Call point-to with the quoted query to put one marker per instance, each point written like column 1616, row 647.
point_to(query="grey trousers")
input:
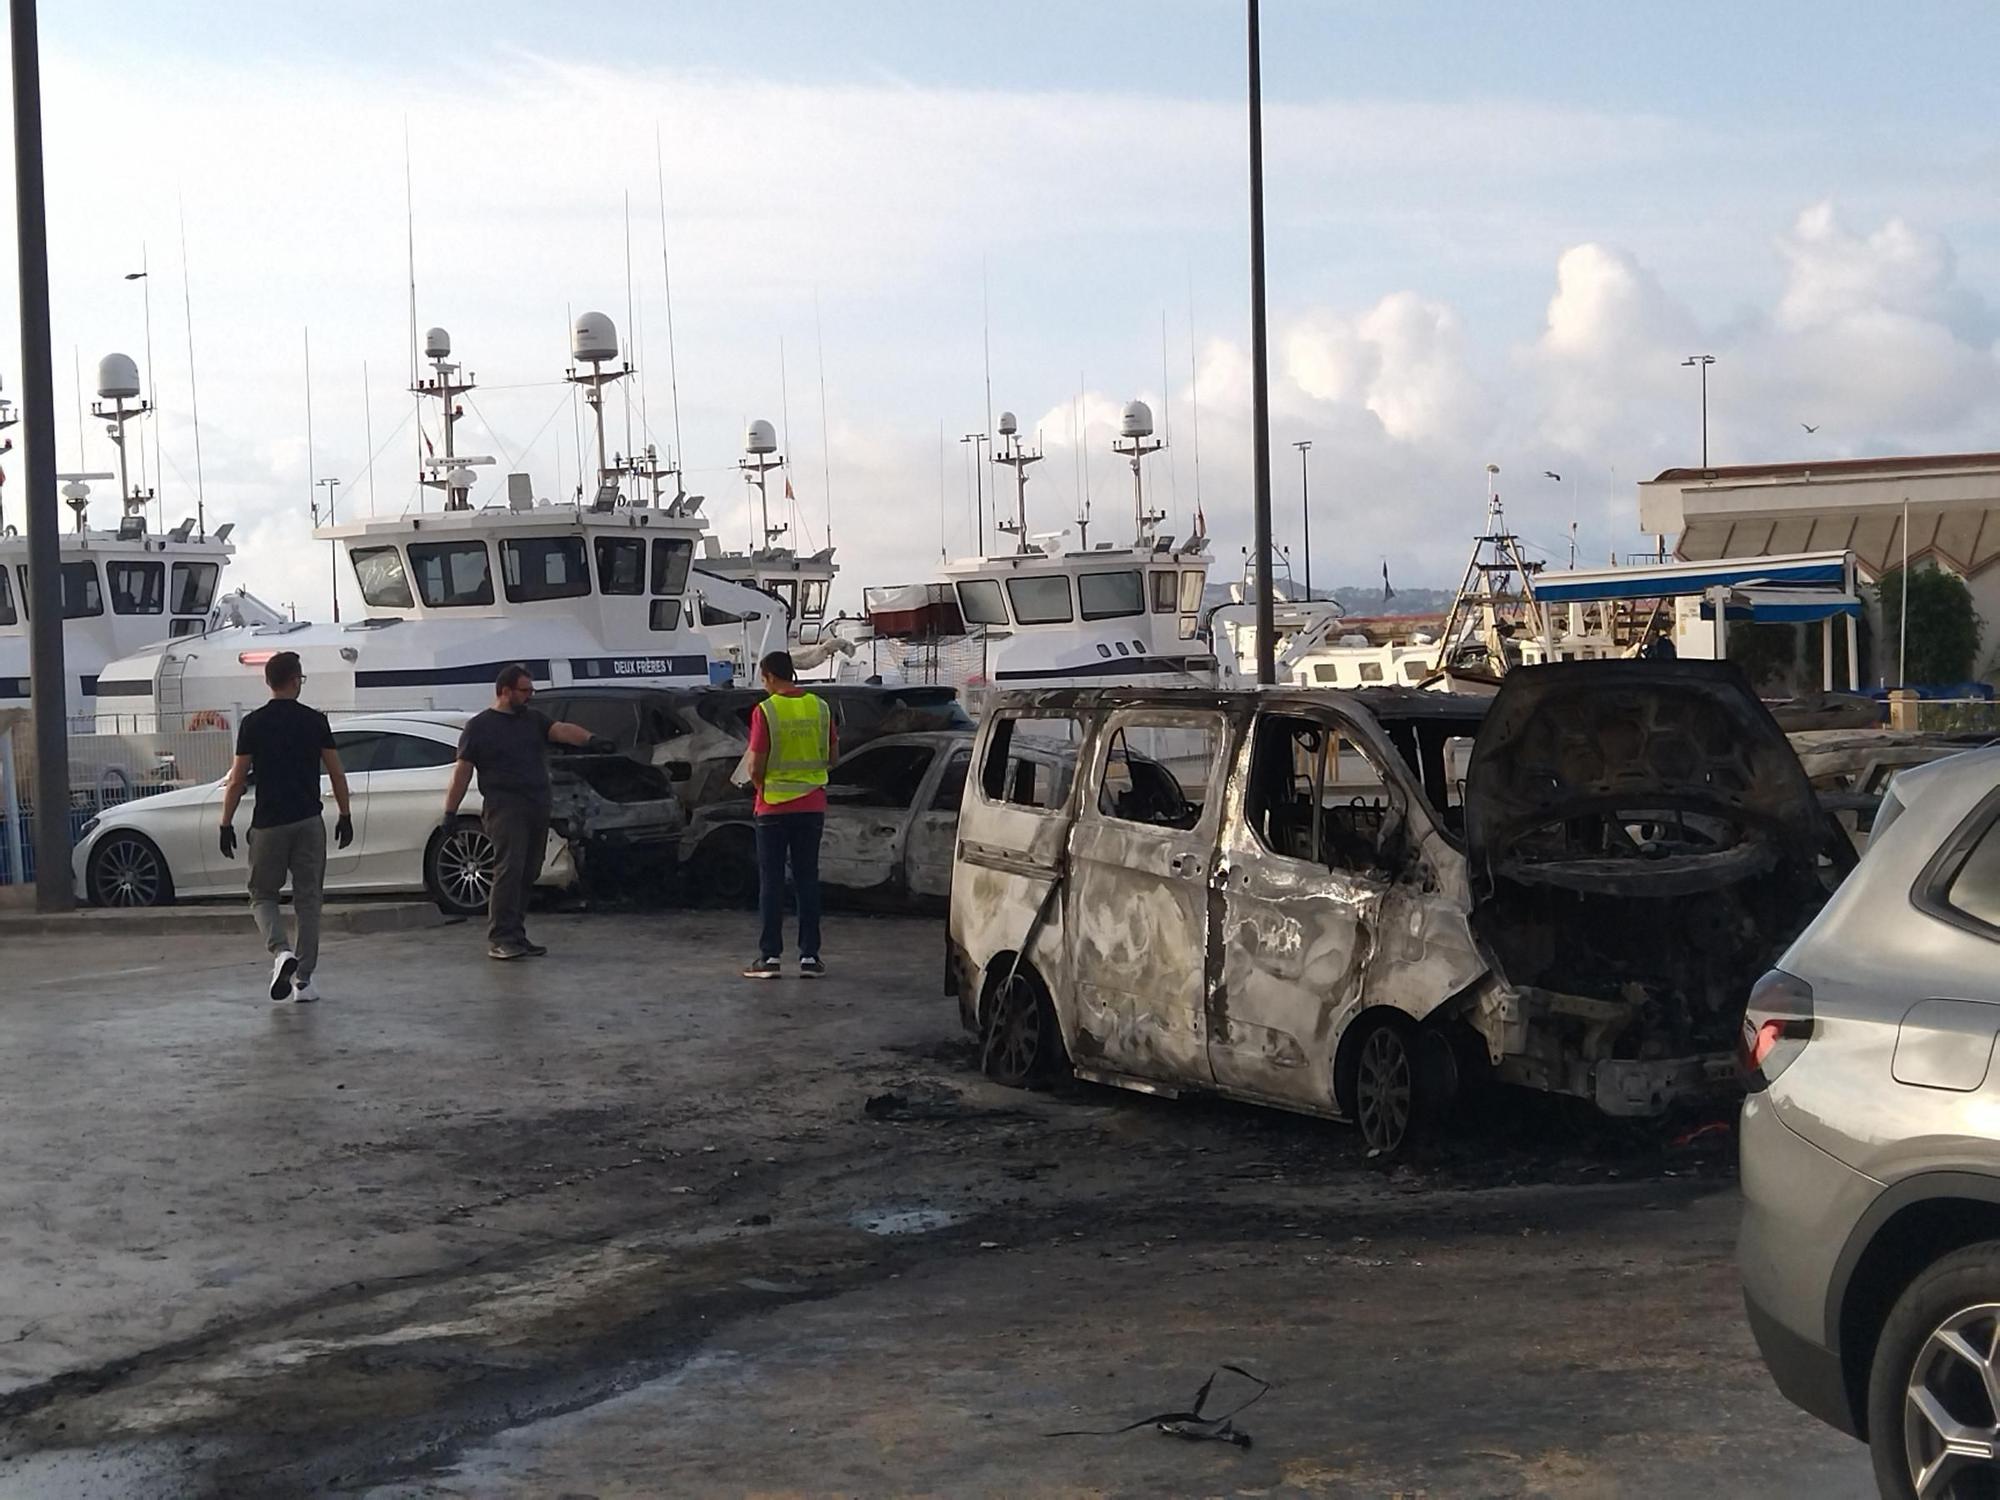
column 298, row 850
column 520, row 834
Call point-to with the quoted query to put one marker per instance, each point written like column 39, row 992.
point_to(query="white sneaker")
column 283, row 967
column 303, row 992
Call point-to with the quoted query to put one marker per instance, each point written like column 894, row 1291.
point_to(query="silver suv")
column 1871, row 1143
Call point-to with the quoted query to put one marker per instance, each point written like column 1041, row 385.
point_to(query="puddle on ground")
column 905, row 1220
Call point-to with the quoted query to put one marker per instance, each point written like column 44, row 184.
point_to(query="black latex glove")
column 227, row 840
column 601, row 746
column 343, row 831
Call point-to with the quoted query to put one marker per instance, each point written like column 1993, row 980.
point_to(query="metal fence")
column 1958, row 715
column 106, row 770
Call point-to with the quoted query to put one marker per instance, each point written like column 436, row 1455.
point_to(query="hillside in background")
column 1365, row 599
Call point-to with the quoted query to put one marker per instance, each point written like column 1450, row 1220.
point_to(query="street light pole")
column 1702, row 362
column 1260, row 385
column 1305, row 512
column 55, row 890
column 979, row 441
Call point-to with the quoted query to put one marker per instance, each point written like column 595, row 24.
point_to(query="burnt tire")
column 723, row 871
column 1020, row 1044
column 458, row 868
column 1932, row 1379
column 1395, row 1077
column 127, row 869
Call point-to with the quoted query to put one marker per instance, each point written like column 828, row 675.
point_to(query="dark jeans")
column 793, row 836
column 520, row 834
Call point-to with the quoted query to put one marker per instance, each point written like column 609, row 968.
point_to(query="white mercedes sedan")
column 154, row 850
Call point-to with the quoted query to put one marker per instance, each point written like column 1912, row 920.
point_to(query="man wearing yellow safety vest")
column 792, row 744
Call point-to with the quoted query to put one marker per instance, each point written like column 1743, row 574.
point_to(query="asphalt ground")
column 618, row 1223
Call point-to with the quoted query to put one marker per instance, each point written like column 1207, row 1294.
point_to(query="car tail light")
column 1777, row 1024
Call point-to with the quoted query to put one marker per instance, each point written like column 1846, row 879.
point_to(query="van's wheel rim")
column 1016, row 1045
column 1951, row 1411
column 129, row 873
column 465, row 867
column 1384, row 1088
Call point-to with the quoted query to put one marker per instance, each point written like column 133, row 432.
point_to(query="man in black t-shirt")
column 286, row 745
column 508, row 744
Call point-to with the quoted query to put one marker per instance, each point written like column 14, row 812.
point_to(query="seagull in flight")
column 1552, row 474
column 1808, row 427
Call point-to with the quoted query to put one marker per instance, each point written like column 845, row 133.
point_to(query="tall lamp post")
column 979, row 440
column 1306, row 512
column 1260, row 383
column 1702, row 362
column 55, row 889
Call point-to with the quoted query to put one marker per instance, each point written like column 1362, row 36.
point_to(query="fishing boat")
column 603, row 589
column 123, row 588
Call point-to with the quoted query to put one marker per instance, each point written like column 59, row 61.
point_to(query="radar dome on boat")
column 76, row 490
column 593, row 337
column 461, row 478
column 1136, row 420
column 117, row 376
column 761, row 438
column 1008, row 426
column 437, row 344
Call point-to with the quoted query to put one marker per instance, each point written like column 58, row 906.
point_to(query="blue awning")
column 1689, row 578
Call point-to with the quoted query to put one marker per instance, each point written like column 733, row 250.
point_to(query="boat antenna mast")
column 118, row 384
column 1489, row 586
column 1135, row 440
column 760, row 456
column 1017, row 458
column 9, row 416
column 450, row 470
column 593, row 341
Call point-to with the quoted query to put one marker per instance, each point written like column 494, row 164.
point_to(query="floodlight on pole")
column 1701, row 362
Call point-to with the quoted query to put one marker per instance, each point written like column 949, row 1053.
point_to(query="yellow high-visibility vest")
column 801, row 742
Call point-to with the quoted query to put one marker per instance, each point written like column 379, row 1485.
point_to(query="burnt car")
column 1356, row 899
column 891, row 821
column 697, row 736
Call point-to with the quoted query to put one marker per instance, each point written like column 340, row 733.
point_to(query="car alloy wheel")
column 1385, row 1087
column 463, row 869
column 1951, row 1409
column 126, row 870
column 1016, row 1033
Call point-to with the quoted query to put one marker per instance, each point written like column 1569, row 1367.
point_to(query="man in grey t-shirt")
column 507, row 745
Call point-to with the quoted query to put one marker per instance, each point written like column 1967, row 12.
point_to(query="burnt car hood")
column 1572, row 756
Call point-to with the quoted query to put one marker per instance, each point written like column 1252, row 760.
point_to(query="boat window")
column 666, row 614
column 1325, row 671
column 812, row 599
column 786, row 592
column 544, row 567
column 1371, row 671
column 880, row 776
column 82, row 594
column 1190, row 624
column 7, row 615
column 180, row 628
column 979, row 602
column 194, row 587
column 1007, row 775
column 384, row 584
column 1413, row 669
column 452, row 575
column 1166, row 592
column 138, row 588
column 1192, row 582
column 671, row 557
column 621, row 565
column 1111, row 596
column 1040, row 601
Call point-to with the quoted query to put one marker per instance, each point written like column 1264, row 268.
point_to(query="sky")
column 1493, row 234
